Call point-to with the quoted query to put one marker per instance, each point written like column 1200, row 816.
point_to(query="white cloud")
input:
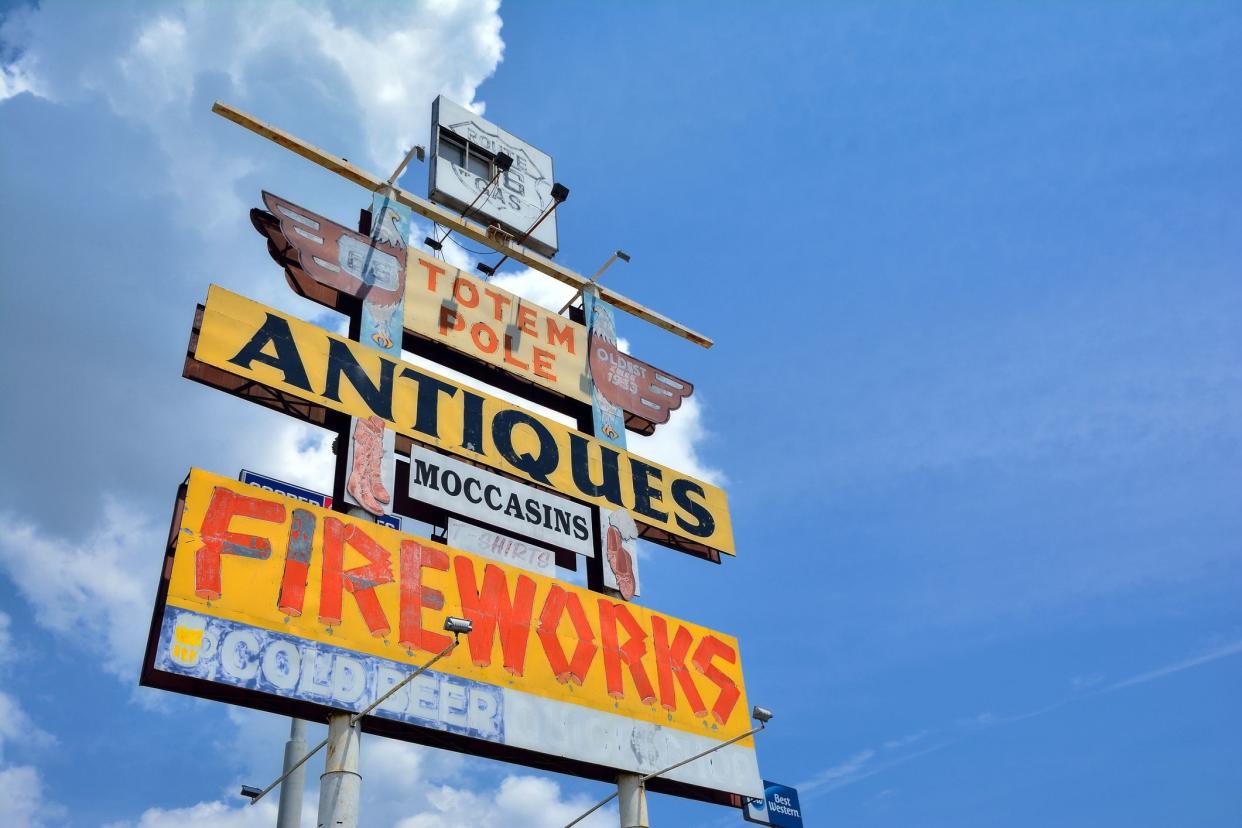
column 521, row 800
column 836, row 774
column 372, row 67
column 21, row 791
column 206, row 815
column 529, row 801
column 14, row 81
column 295, row 453
column 21, row 786
column 16, row 724
column 403, row 785
column 870, row 761
column 677, row 443
column 6, row 638
column 535, row 286
column 97, row 592
column 1223, row 651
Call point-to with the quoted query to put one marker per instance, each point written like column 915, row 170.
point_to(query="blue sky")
column 973, row 274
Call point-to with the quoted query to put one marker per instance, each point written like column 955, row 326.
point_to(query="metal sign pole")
column 289, row 814
column 632, row 801
column 340, row 785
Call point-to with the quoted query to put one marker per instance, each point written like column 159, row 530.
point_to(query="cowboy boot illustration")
column 376, row 475
column 365, row 456
column 621, row 533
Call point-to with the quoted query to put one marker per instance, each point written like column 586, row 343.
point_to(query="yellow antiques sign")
column 255, row 342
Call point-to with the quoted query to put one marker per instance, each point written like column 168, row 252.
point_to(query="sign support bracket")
column 449, row 219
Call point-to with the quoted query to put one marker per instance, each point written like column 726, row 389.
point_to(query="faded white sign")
column 463, row 148
column 492, row 544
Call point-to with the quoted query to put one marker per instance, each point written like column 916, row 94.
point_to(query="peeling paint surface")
column 196, row 645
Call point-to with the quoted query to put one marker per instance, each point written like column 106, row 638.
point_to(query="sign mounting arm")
column 446, row 218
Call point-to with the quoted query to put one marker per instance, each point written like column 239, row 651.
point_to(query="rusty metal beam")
column 452, row 220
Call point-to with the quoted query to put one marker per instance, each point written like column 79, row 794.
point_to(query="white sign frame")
column 518, row 197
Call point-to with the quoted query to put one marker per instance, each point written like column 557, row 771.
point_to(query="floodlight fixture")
column 415, row 152
column 433, row 244
column 616, row 254
column 251, row 792
column 761, row 714
column 457, row 626
column 559, row 193
column 503, row 161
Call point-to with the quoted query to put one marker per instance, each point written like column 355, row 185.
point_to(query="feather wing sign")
column 325, row 261
column 631, row 384
column 332, row 255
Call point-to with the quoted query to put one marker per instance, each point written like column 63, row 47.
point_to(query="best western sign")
column 270, row 598
column 259, row 344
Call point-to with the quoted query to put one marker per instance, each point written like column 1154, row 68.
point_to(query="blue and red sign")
column 271, row 484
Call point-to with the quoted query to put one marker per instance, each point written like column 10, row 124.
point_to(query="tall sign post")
column 323, row 609
column 366, row 460
column 619, row 567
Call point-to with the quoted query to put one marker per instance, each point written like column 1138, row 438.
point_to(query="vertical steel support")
column 340, row 786
column 289, row 814
column 632, row 801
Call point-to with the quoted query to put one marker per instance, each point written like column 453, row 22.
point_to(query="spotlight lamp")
column 761, row 714
column 457, row 626
column 250, row 791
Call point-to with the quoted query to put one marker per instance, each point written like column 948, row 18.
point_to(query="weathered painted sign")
column 371, row 462
column 620, row 552
column 510, row 506
column 622, row 382
column 339, row 258
column 500, row 547
column 256, row 343
column 449, row 306
column 495, row 326
column 463, row 146
column 273, row 598
column 607, row 417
